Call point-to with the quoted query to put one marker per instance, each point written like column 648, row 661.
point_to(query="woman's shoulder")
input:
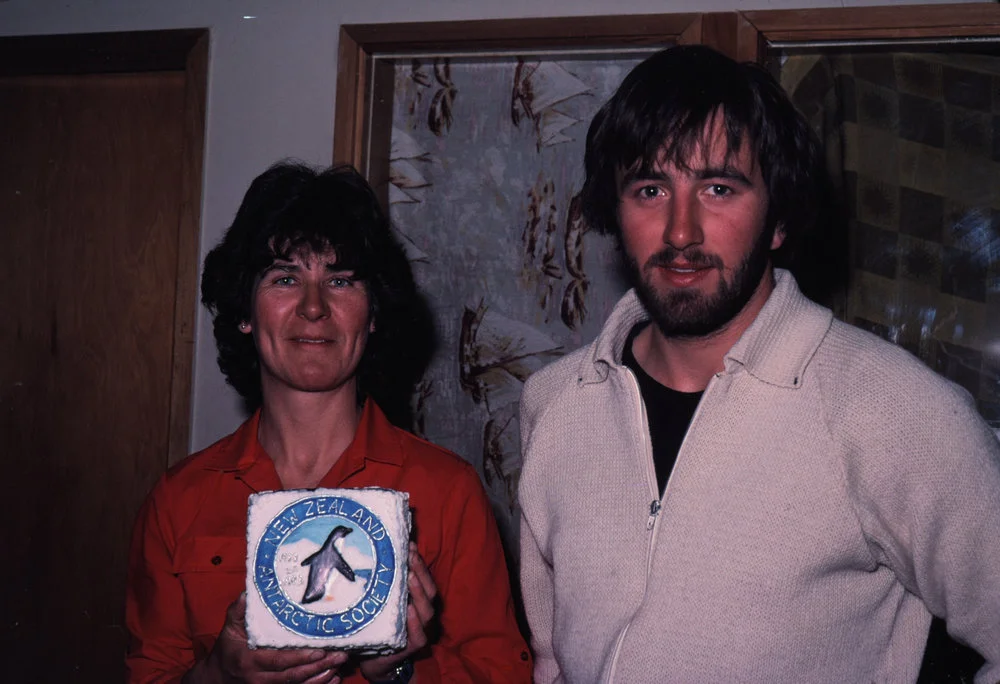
column 418, row 451
column 223, row 454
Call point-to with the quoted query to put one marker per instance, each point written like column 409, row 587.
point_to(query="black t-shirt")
column 669, row 413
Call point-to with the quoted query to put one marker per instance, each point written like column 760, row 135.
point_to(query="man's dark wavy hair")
column 662, row 108
column 290, row 207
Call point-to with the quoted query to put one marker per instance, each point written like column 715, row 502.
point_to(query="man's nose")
column 312, row 305
column 683, row 221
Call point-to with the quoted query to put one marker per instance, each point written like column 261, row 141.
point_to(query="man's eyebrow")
column 291, row 266
column 638, row 175
column 726, row 172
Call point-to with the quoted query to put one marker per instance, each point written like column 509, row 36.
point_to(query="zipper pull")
column 654, row 509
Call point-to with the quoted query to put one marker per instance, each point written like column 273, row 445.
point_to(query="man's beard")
column 688, row 312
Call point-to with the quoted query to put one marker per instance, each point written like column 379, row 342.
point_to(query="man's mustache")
column 688, row 258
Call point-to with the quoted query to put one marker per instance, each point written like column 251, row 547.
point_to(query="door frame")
column 183, row 50
column 359, row 109
column 761, row 28
column 743, row 35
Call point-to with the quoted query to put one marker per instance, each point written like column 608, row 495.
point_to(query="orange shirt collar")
column 375, row 440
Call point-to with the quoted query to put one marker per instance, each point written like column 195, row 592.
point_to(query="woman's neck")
column 305, row 433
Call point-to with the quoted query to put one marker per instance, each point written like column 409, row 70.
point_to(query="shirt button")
column 524, row 656
column 216, row 560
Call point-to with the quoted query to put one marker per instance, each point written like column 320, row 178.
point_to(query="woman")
column 312, row 300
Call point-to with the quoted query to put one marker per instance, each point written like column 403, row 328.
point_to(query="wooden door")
column 92, row 202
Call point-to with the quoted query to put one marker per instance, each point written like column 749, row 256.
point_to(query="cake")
column 327, row 568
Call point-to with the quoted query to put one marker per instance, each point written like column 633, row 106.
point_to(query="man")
column 728, row 485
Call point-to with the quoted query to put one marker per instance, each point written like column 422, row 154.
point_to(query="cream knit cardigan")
column 831, row 493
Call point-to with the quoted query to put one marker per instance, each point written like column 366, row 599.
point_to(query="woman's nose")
column 313, row 306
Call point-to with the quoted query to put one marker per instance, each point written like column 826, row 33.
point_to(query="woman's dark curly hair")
column 291, row 207
column 662, row 108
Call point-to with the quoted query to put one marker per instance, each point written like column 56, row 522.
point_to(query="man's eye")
column 341, row 281
column 284, row 280
column 648, row 191
column 720, row 190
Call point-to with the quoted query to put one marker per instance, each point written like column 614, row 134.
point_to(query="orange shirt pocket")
column 212, row 571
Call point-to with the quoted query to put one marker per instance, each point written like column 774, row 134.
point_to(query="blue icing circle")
column 319, row 534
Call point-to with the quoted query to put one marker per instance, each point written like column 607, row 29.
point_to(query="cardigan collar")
column 776, row 348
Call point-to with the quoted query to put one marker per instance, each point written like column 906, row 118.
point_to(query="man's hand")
column 419, row 614
column 232, row 661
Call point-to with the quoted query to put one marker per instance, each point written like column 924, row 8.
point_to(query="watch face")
column 403, row 673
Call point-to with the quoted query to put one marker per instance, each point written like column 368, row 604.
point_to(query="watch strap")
column 401, row 675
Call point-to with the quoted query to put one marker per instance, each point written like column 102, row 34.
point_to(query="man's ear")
column 778, row 238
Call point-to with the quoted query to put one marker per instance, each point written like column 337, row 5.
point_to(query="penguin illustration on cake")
column 325, row 564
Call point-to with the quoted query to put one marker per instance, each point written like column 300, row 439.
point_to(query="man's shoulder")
column 873, row 384
column 562, row 369
column 858, row 357
column 590, row 361
column 552, row 380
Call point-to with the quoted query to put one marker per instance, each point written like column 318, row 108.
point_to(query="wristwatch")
column 401, row 675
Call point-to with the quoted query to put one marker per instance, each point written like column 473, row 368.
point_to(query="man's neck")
column 306, row 433
column 687, row 364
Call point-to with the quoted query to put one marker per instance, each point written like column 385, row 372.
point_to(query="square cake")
column 327, row 568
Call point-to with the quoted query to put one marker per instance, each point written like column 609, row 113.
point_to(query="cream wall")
column 273, row 67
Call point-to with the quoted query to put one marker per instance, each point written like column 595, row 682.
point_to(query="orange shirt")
column 188, row 556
